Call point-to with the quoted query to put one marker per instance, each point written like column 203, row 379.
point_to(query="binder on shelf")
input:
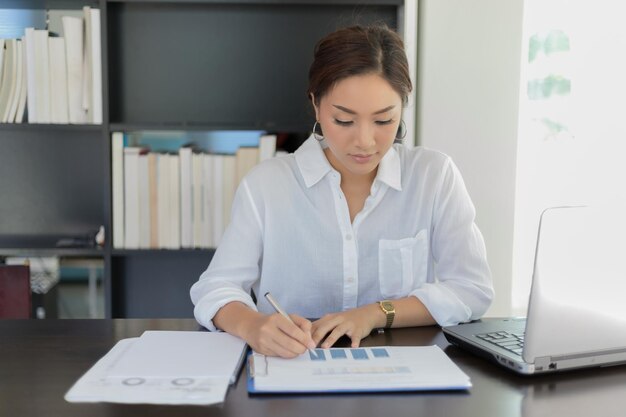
column 186, row 197
column 117, row 173
column 74, row 45
column 58, row 81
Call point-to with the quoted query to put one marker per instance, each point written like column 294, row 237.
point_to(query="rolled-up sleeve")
column 463, row 288
column 235, row 266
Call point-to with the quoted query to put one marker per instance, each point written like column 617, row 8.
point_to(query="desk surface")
column 41, row 359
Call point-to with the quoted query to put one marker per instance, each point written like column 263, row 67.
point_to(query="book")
column 246, row 158
column 229, row 186
column 117, row 174
column 131, row 197
column 163, row 200
column 58, row 81
column 365, row 369
column 31, row 78
column 17, row 91
column 8, row 80
column 96, row 68
column 87, row 64
column 175, row 203
column 197, row 187
column 153, row 200
column 42, row 76
column 267, row 147
column 217, row 190
column 186, row 197
column 144, row 201
column 207, row 201
column 74, row 46
column 21, row 104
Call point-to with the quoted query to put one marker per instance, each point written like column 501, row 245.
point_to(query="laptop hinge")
column 543, row 363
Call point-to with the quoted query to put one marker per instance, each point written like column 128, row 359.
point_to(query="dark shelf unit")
column 192, row 65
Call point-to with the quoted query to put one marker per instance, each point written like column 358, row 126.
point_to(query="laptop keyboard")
column 513, row 342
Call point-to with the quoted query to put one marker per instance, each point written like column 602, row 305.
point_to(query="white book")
column 207, row 199
column 229, row 187
column 267, row 147
column 144, row 202
column 186, row 197
column 7, row 82
column 197, row 184
column 175, row 241
column 15, row 99
column 87, row 57
column 117, row 173
column 1, row 58
column 31, row 79
column 246, row 158
column 58, row 81
column 96, row 68
column 218, row 198
column 153, row 198
column 131, row 197
column 74, row 48
column 42, row 76
column 163, row 200
column 21, row 104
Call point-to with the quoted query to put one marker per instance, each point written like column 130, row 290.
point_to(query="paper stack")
column 164, row 367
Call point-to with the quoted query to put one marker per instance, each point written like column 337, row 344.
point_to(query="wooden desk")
column 41, row 359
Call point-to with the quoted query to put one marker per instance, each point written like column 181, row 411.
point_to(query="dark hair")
column 359, row 50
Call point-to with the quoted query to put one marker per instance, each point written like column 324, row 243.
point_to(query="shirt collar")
column 314, row 165
column 389, row 170
column 312, row 161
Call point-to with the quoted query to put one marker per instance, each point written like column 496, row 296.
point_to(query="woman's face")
column 359, row 118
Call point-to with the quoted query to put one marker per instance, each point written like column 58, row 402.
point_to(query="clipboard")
column 356, row 370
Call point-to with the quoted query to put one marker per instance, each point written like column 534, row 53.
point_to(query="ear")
column 317, row 110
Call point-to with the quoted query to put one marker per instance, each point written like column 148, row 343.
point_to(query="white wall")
column 467, row 106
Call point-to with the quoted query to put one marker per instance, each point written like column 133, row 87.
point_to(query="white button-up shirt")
column 291, row 234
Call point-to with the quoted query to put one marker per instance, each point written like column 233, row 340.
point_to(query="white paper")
column 171, row 354
column 360, row 369
column 163, row 367
column 98, row 386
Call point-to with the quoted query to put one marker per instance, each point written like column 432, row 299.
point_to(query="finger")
column 323, row 326
column 335, row 335
column 305, row 325
column 291, row 336
column 277, row 343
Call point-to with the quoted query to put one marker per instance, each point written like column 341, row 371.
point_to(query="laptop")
column 576, row 314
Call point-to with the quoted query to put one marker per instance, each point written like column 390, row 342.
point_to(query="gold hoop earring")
column 318, row 136
column 401, row 131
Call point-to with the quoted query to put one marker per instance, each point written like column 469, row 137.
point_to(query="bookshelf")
column 194, row 65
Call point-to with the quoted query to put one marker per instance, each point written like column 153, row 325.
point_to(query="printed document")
column 164, row 368
column 385, row 368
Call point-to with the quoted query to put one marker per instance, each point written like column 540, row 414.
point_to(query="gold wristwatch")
column 390, row 311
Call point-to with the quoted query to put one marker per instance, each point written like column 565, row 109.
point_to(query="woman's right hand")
column 274, row 335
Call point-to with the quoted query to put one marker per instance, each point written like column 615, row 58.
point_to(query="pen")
column 283, row 313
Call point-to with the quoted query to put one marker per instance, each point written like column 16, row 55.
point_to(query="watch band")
column 390, row 311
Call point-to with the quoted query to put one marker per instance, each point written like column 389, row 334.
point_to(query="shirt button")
column 350, row 280
column 348, row 237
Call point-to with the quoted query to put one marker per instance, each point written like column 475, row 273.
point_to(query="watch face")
column 386, row 305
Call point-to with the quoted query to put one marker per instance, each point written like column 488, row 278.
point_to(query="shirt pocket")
column 402, row 264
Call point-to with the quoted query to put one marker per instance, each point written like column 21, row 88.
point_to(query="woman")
column 352, row 229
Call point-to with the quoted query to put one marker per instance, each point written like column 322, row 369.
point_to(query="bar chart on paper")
column 387, row 368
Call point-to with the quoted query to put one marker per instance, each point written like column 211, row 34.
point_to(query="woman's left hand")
column 356, row 324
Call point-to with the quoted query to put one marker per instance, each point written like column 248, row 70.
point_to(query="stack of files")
column 164, row 367
column 376, row 369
